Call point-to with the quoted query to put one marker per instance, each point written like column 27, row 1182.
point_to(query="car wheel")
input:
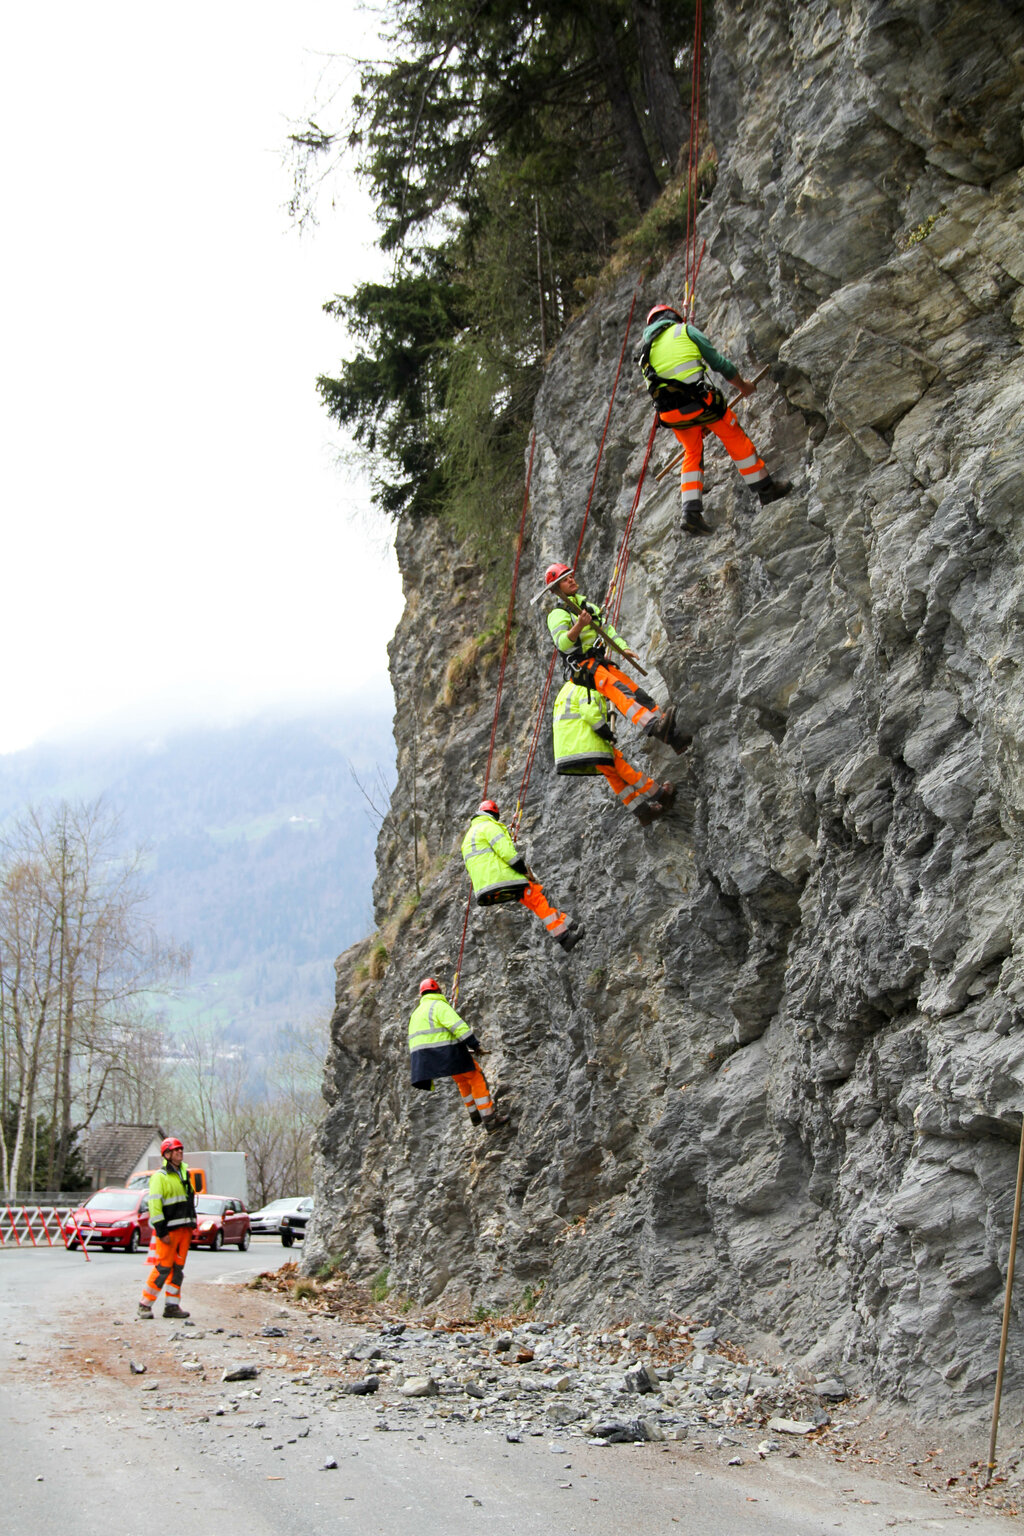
column 132, row 1245
column 243, row 1242
column 286, row 1239
column 218, row 1242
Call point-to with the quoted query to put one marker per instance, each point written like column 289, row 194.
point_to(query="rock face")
column 782, row 1078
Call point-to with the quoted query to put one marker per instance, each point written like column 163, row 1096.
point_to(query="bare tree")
column 77, row 961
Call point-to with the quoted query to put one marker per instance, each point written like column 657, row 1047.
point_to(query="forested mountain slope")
column 782, row 1078
column 260, row 847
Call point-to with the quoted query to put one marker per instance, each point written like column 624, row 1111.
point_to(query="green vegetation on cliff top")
column 511, row 149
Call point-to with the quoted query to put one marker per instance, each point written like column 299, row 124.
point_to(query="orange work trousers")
column 169, row 1267
column 627, row 783
column 474, row 1090
column 736, row 442
column 554, row 921
column 621, row 691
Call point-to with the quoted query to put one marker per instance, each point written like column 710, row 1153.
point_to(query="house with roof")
column 115, row 1152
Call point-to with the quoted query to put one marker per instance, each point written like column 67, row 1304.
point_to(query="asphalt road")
column 89, row 1448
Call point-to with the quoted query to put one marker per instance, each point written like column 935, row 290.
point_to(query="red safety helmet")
column 556, row 572
column 487, row 808
column 662, row 309
column 171, row 1144
column 428, row 984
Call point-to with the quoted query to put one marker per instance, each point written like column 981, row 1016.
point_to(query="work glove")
column 160, row 1228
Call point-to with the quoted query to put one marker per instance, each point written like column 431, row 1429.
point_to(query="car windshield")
column 113, row 1200
column 278, row 1205
column 209, row 1207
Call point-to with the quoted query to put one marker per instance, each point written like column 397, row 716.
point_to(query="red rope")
column 691, row 262
column 617, row 585
column 532, row 749
column 498, row 692
column 604, row 434
column 462, row 950
column 511, row 612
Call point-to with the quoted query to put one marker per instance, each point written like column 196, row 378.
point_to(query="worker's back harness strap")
column 700, row 402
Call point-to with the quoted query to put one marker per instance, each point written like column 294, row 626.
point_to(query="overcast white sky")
column 179, row 543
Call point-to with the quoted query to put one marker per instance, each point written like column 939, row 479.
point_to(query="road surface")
column 90, row 1448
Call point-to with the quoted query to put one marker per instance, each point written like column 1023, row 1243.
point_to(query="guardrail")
column 38, row 1225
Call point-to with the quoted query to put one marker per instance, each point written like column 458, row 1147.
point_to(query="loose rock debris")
column 683, row 1381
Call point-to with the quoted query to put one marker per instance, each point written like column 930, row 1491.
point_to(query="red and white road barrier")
column 38, row 1225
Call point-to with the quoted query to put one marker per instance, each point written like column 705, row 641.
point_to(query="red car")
column 221, row 1220
column 111, row 1218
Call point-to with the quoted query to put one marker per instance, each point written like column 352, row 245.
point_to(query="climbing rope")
column 604, row 434
column 617, row 584
column 501, row 684
column 511, row 612
column 538, row 723
column 691, row 259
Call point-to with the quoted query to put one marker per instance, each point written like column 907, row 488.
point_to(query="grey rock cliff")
column 782, row 1079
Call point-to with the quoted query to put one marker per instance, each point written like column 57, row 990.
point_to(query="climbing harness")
column 672, row 463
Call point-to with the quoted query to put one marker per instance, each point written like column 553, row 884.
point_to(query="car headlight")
column 207, row 1226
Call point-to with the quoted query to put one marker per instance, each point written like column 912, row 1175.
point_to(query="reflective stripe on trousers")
column 733, row 438
column 169, row 1267
column 620, row 689
column 554, row 921
column 628, row 783
column 474, row 1090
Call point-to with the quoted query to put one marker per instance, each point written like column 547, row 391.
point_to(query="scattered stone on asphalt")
column 241, row 1373
column 137, row 1368
column 791, row 1426
column 419, row 1386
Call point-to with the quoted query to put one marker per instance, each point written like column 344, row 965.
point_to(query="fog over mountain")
column 260, row 847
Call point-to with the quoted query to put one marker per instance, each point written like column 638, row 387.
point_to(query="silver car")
column 268, row 1220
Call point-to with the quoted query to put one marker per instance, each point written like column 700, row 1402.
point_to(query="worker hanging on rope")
column 583, row 636
column 672, row 357
column 499, row 873
column 584, row 743
column 441, row 1045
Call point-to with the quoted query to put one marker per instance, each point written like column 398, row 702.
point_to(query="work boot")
column 772, row 490
column 495, row 1122
column 662, row 801
column 693, row 519
column 475, row 1116
column 679, row 741
column 173, row 1310
column 663, row 726
column 655, row 805
column 572, row 935
column 144, row 1314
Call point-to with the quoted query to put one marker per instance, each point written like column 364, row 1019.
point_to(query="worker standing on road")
column 584, row 744
column 672, row 358
column 499, row 873
column 172, row 1215
column 440, row 1045
column 583, row 636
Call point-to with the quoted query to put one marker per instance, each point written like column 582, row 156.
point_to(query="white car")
column 268, row 1220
